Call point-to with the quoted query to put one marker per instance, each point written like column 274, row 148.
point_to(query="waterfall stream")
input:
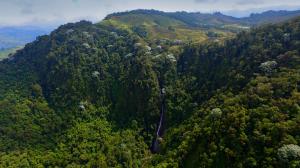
column 159, row 132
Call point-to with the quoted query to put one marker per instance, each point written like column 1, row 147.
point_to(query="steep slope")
column 250, row 115
column 68, row 83
column 99, row 95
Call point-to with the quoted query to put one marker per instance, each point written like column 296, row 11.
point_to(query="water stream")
column 159, row 131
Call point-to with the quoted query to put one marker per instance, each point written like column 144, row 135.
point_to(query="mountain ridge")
column 252, row 19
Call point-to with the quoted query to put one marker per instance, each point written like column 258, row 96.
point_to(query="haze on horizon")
column 55, row 12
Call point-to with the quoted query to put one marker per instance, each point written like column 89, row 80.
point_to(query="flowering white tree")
column 216, row 113
column 268, row 67
column 289, row 152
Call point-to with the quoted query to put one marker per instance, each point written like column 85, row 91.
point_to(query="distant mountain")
column 155, row 24
column 194, row 19
column 11, row 37
column 184, row 26
column 216, row 19
column 270, row 17
column 194, row 26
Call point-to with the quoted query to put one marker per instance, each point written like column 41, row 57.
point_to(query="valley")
column 146, row 88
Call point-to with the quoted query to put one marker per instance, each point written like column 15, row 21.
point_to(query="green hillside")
column 138, row 90
column 195, row 27
column 151, row 24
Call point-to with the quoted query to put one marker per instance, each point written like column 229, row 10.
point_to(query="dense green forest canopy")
column 91, row 95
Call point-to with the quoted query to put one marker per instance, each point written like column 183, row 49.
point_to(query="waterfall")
column 159, row 131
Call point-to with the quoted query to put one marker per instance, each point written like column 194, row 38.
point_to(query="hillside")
column 155, row 25
column 205, row 20
column 196, row 27
column 107, row 95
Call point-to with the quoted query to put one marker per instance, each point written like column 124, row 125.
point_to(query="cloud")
column 205, row 1
column 45, row 12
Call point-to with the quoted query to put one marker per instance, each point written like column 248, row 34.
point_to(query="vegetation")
column 103, row 95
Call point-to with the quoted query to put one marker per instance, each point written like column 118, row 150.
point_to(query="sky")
column 56, row 12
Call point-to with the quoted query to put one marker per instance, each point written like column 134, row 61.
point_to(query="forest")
column 113, row 95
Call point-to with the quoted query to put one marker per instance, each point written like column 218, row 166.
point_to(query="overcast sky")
column 54, row 12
